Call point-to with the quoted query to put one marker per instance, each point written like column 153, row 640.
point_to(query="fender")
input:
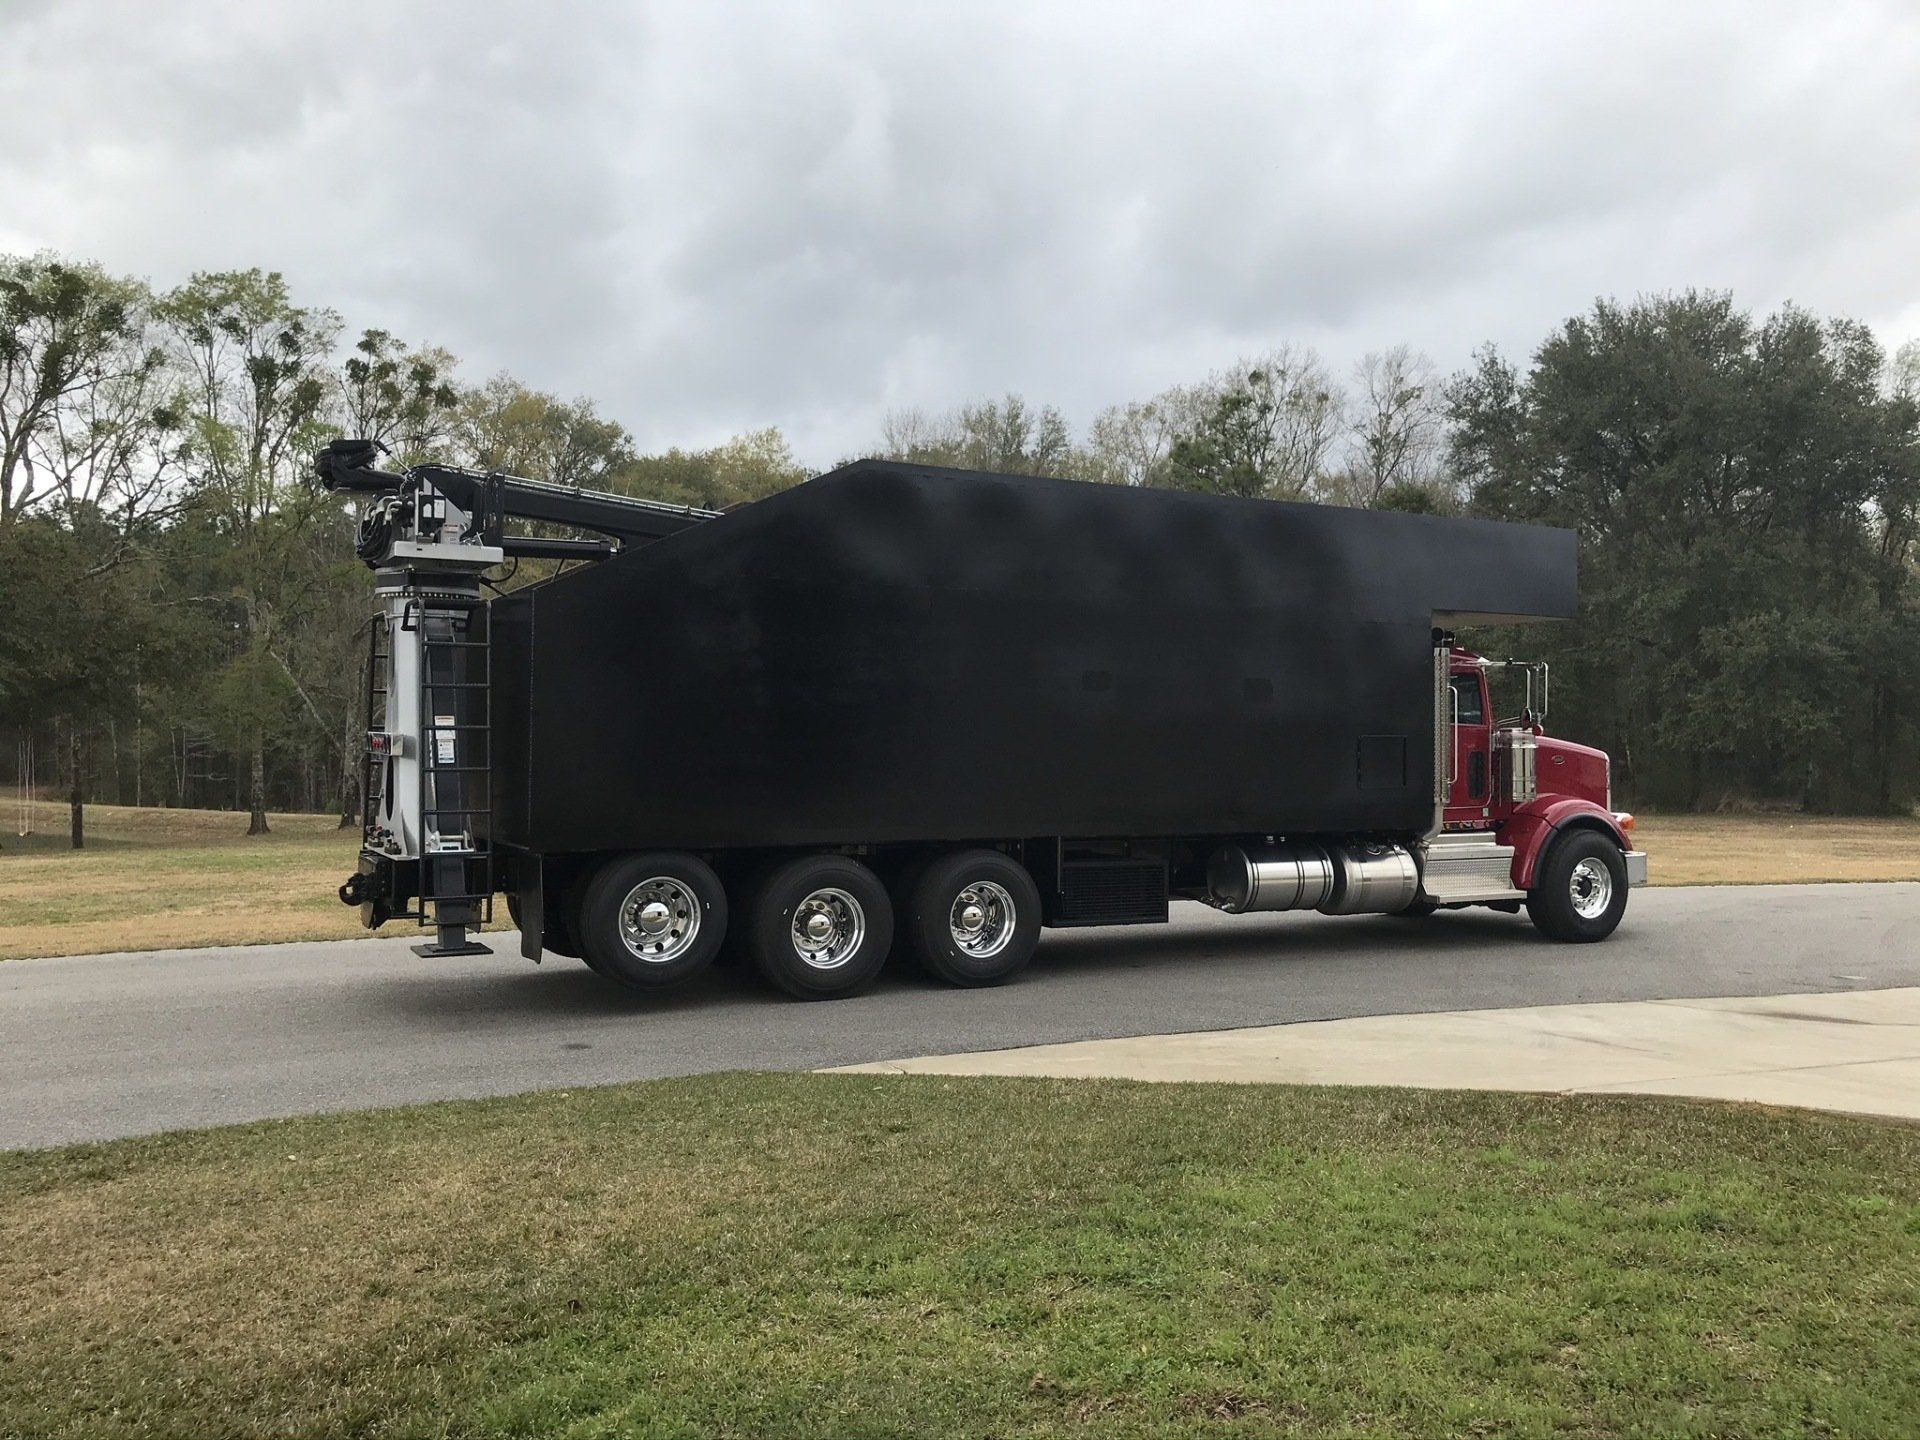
column 1532, row 828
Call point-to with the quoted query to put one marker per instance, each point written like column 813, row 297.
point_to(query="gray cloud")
column 714, row 217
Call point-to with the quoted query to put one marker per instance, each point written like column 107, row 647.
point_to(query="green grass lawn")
column 845, row 1256
column 153, row 879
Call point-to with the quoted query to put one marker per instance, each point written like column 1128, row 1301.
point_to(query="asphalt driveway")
column 93, row 1047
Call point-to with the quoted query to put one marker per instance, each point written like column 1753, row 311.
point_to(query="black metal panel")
column 894, row 653
column 1111, row 891
column 512, row 634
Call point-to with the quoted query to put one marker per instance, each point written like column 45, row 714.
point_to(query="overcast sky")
column 712, row 217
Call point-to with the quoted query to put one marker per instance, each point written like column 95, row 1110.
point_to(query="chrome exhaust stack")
column 1362, row 879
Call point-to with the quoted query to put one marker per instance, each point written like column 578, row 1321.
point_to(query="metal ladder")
column 456, row 765
column 374, row 768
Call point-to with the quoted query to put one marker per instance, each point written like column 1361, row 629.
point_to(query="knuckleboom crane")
column 950, row 709
column 429, row 536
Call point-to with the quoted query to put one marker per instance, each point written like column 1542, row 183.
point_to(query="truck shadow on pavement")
column 1068, row 961
column 1207, row 938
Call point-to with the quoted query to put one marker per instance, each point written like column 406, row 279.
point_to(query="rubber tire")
column 929, row 934
column 599, row 919
column 547, row 945
column 566, row 921
column 736, row 951
column 1415, row 910
column 900, row 886
column 1550, row 901
column 770, row 920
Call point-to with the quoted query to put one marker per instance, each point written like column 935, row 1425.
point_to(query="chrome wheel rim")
column 659, row 920
column 982, row 919
column 828, row 928
column 1591, row 887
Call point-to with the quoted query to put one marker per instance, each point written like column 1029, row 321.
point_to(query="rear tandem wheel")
column 652, row 920
column 973, row 917
column 820, row 926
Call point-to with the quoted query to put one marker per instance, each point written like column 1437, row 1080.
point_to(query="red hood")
column 1564, row 768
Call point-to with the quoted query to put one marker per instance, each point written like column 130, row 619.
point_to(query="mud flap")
column 530, row 896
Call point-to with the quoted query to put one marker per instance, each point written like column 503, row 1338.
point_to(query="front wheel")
column 1580, row 890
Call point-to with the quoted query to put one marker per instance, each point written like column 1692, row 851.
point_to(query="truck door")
column 1469, row 792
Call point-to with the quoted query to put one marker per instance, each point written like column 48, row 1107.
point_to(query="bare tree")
column 111, row 452
column 1903, row 373
column 400, row 395
column 1312, row 412
column 1132, row 444
column 89, row 437
column 1006, row 435
column 1011, row 436
column 912, row 434
column 256, row 368
column 1397, row 433
column 79, row 384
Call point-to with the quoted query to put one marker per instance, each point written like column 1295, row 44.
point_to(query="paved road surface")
column 98, row 1046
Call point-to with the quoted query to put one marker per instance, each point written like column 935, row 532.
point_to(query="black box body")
column 893, row 653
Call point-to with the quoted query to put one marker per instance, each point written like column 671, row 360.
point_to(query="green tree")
column 1742, row 493
column 1263, row 430
column 502, row 425
column 400, row 395
column 1235, row 448
column 78, row 631
column 1893, row 640
column 258, row 383
column 89, row 433
column 748, row 467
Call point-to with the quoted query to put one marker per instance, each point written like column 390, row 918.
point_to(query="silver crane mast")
column 429, row 535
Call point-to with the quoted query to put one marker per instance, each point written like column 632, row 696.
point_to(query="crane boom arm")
column 490, row 500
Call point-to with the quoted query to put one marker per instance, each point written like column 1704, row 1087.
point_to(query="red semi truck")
column 1510, row 789
column 1520, row 819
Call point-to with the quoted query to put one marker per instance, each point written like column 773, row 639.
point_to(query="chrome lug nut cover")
column 1591, row 886
column 982, row 919
column 828, row 928
column 659, row 919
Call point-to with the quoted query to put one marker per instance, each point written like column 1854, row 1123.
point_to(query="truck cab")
column 1511, row 790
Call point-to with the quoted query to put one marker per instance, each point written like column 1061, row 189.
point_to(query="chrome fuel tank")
column 1366, row 879
column 1282, row 877
column 1373, row 880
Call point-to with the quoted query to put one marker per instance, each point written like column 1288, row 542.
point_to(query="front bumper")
column 1636, row 868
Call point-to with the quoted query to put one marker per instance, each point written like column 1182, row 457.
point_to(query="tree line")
column 1277, row 426
column 182, row 621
